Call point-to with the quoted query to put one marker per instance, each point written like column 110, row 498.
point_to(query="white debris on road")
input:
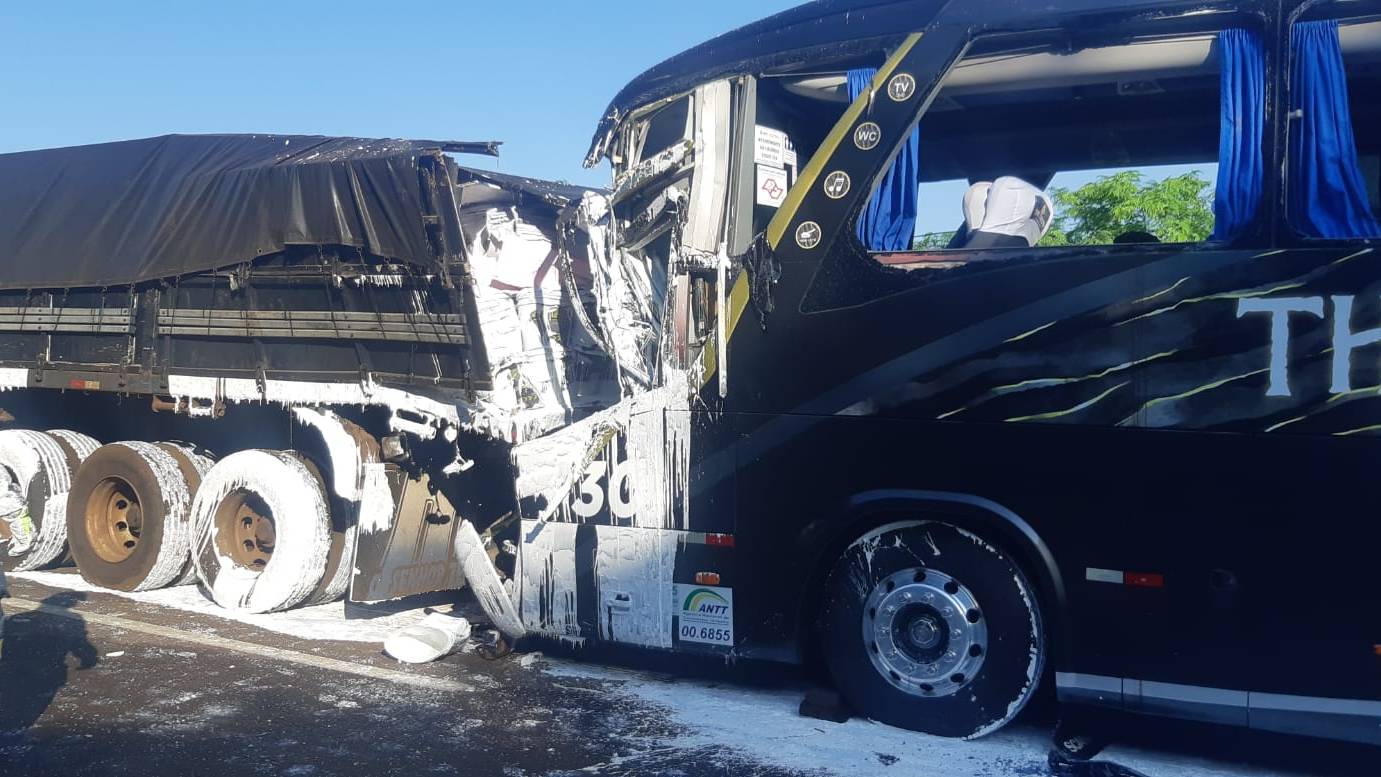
column 323, row 622
column 432, row 639
column 763, row 726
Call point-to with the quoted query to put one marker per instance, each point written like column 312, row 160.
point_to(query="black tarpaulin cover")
column 139, row 210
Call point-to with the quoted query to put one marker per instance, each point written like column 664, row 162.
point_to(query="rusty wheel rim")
column 246, row 531
column 114, row 520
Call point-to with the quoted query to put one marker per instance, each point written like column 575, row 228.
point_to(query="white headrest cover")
column 976, row 204
column 1015, row 207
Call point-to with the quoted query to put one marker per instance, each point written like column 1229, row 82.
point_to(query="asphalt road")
column 94, row 684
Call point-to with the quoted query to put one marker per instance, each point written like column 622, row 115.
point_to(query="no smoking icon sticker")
column 808, row 235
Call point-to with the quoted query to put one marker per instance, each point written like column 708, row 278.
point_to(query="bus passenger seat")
column 1007, row 213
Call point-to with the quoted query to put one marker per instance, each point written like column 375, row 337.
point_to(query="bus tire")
column 261, row 531
column 41, row 466
column 929, row 627
column 127, row 517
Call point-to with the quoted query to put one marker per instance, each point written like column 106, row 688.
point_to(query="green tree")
column 1176, row 210
column 932, row 241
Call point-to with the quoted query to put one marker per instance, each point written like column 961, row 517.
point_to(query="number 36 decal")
column 607, row 483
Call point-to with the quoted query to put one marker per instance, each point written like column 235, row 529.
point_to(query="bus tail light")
column 1145, row 580
column 720, row 540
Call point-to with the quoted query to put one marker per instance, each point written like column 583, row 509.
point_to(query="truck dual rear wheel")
column 929, row 627
column 127, row 517
column 261, row 531
column 40, row 467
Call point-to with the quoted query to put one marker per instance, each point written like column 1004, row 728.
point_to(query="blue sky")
column 536, row 75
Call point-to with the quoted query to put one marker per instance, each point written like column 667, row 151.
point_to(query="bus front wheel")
column 929, row 627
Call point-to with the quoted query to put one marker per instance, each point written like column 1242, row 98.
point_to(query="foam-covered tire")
column 343, row 452
column 335, row 580
column 127, row 517
column 194, row 465
column 80, row 444
column 287, row 564
column 865, row 620
column 42, row 466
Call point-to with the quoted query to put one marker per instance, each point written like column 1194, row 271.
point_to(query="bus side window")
column 1045, row 147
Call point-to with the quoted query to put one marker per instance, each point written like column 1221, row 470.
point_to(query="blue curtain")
column 1241, row 122
column 1328, row 195
column 888, row 222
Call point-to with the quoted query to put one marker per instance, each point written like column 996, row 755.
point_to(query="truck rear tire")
column 261, row 531
column 41, row 466
column 82, row 445
column 929, row 627
column 127, row 517
column 194, row 465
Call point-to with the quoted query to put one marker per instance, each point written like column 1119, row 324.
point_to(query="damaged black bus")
column 732, row 405
column 1136, row 466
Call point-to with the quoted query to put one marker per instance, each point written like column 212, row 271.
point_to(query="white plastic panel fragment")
column 710, row 181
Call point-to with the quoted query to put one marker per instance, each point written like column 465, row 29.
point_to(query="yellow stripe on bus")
column 778, row 227
column 737, row 303
column 738, row 296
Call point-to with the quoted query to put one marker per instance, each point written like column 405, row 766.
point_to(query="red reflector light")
column 1377, row 650
column 1144, row 580
column 720, row 540
column 707, row 578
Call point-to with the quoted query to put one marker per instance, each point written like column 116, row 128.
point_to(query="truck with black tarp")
column 286, row 367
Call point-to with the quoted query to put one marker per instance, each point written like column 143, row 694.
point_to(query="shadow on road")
column 34, row 665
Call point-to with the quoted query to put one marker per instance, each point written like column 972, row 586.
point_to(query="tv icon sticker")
column 901, row 87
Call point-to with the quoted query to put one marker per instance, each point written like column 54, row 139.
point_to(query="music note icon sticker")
column 837, row 184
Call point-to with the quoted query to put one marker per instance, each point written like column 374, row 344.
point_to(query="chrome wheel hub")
column 924, row 632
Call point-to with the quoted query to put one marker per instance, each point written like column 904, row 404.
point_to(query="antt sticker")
column 705, row 614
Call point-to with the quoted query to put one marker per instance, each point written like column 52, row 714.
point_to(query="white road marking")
column 259, row 651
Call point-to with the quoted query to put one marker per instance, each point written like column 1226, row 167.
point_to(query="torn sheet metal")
column 628, row 465
column 140, row 210
column 518, row 295
column 483, row 579
column 627, row 290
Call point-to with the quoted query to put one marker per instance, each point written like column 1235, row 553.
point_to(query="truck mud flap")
column 413, row 554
